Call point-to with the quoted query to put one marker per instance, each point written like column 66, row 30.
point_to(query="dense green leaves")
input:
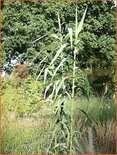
column 31, row 27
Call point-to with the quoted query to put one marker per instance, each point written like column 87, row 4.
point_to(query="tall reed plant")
column 74, row 40
column 55, row 88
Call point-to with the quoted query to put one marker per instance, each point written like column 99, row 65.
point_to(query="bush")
column 25, row 99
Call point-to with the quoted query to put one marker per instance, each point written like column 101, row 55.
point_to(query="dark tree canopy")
column 25, row 22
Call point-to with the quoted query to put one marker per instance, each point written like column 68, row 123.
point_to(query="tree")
column 27, row 29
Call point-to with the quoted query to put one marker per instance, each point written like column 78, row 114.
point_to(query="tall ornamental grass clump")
column 56, row 92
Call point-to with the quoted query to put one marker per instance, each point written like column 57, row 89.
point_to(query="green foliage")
column 95, row 109
column 27, row 29
column 24, row 99
column 33, row 137
column 25, row 137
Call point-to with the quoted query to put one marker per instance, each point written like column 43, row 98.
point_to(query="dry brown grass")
column 105, row 133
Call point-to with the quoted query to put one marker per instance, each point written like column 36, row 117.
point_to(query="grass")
column 95, row 109
column 101, row 138
column 23, row 136
column 45, row 131
column 105, row 133
column 33, row 138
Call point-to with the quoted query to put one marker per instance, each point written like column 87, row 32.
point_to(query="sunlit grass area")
column 32, row 133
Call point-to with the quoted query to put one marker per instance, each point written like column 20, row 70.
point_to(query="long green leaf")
column 59, row 86
column 55, row 36
column 58, row 53
column 76, row 24
column 85, row 114
column 52, row 94
column 59, row 22
column 81, row 23
column 45, row 75
column 47, row 88
column 40, row 64
column 39, row 38
column 40, row 72
column 71, row 36
column 35, row 57
column 61, row 63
